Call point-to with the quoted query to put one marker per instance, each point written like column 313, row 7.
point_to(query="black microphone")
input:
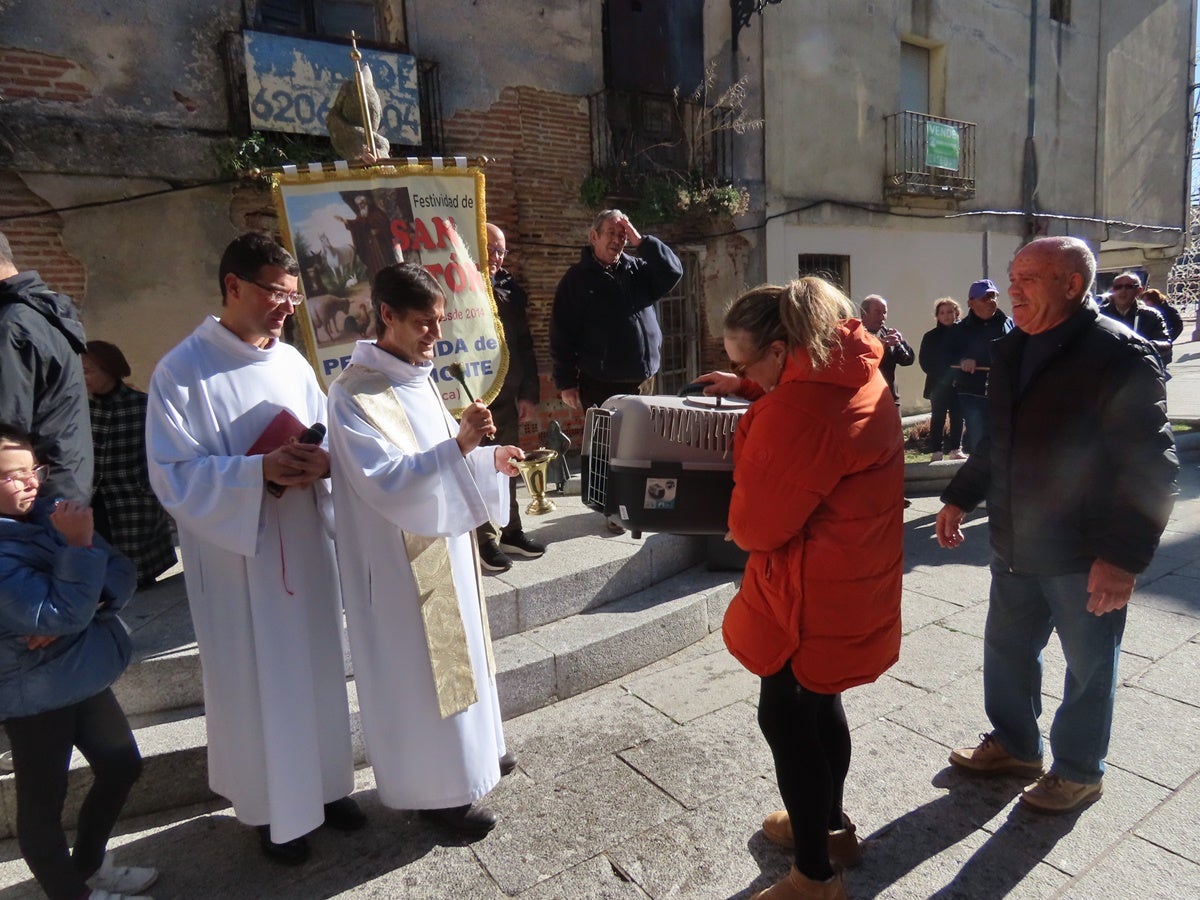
column 313, row 434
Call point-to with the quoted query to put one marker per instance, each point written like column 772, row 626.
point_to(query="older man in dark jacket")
column 42, row 389
column 1079, row 476
column 604, row 334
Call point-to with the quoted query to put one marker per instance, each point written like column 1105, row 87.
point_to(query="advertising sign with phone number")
column 291, row 83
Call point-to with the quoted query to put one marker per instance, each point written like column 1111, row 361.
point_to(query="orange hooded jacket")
column 818, row 469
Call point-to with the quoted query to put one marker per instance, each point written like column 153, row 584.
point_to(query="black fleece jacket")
column 1080, row 464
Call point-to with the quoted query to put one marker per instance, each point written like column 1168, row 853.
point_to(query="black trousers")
column 41, row 749
column 943, row 403
column 810, row 742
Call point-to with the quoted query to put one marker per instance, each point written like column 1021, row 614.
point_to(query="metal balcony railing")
column 928, row 156
column 641, row 133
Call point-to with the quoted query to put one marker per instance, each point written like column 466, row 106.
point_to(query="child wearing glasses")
column 61, row 648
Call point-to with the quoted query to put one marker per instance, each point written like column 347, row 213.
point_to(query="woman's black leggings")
column 810, row 741
column 41, row 748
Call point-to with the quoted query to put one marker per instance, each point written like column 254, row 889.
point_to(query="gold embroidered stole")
column 428, row 557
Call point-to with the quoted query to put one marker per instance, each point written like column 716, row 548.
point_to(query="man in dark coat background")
column 42, row 389
column 969, row 346
column 1125, row 305
column 516, row 403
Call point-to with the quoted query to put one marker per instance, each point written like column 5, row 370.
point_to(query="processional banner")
column 343, row 225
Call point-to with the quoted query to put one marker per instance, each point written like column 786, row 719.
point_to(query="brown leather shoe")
column 1054, row 794
column 796, row 887
column 844, row 850
column 989, row 758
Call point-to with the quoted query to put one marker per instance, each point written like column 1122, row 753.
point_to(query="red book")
column 280, row 431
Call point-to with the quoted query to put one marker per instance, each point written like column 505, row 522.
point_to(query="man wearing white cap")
column 970, row 342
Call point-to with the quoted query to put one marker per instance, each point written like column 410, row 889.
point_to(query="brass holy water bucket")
column 533, row 470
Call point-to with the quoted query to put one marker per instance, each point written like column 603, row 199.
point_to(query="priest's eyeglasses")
column 37, row 473
column 278, row 297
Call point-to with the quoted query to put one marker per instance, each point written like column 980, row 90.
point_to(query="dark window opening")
column 1060, row 11
column 654, row 47
column 331, row 18
column 833, row 268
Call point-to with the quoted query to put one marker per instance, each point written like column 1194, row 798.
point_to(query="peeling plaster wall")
column 556, row 47
column 147, row 62
column 151, row 264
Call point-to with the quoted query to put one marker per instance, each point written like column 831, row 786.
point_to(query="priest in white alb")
column 410, row 486
column 258, row 561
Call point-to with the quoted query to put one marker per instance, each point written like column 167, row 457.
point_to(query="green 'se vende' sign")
column 941, row 146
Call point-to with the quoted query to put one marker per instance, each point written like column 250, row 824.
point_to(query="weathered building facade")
column 906, row 147
column 1069, row 118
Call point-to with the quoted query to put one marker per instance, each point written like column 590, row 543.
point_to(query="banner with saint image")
column 344, row 225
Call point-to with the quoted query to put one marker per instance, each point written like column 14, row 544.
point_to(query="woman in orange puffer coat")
column 818, row 501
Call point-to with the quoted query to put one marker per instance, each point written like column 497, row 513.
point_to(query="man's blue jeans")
column 1022, row 611
column 974, row 414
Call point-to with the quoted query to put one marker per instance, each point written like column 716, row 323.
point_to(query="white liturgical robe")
column 421, row 760
column 261, row 578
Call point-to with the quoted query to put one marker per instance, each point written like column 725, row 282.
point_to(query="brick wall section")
column 25, row 74
column 541, row 146
column 37, row 241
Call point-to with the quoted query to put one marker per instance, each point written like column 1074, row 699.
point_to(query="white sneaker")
column 113, row 880
column 956, row 454
column 6, row 763
column 98, row 894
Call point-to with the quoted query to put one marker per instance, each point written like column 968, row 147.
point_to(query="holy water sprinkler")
column 457, row 373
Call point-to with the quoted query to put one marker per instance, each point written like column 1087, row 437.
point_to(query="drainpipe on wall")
column 1029, row 164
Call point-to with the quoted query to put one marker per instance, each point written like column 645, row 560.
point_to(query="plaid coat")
column 128, row 513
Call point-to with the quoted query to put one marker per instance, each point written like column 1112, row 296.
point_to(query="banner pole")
column 368, row 127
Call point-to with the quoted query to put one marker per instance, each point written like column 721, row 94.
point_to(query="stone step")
column 534, row 668
column 572, row 655
column 578, row 573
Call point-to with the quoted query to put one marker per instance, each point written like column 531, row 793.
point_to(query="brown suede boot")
column 844, row 849
column 796, row 887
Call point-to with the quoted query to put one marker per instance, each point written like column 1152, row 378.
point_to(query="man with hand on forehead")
column 604, row 335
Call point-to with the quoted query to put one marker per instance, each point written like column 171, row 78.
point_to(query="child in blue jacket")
column 61, row 648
